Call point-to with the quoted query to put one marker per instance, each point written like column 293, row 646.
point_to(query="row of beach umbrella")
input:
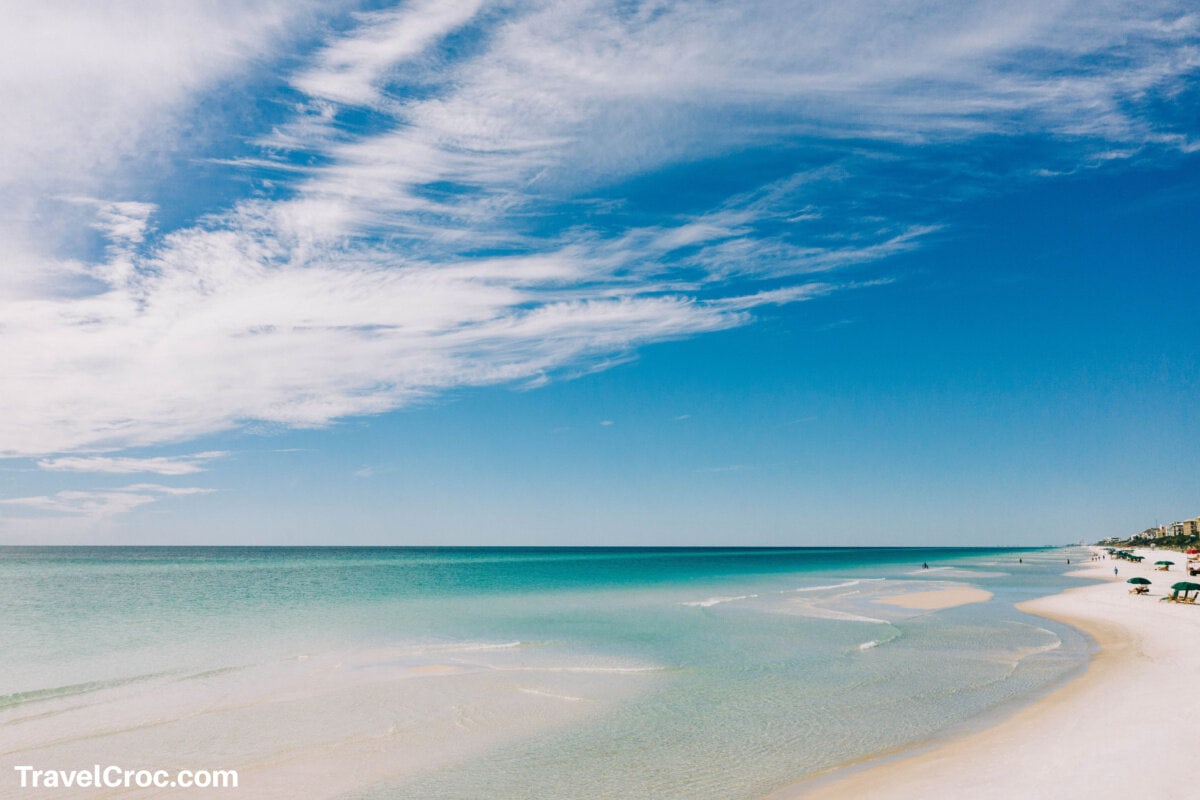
column 1186, row 587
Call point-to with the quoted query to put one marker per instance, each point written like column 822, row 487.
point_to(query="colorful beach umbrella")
column 1139, row 580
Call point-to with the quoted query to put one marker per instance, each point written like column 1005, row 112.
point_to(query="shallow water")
column 510, row 673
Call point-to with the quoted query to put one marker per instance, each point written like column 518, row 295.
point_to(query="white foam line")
column 466, row 647
column 830, row 586
column 579, row 669
column 816, row 612
column 541, row 693
column 959, row 572
column 712, row 601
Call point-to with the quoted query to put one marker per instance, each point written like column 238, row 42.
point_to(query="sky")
column 598, row 273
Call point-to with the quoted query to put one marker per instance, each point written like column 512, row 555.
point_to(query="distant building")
column 1187, row 527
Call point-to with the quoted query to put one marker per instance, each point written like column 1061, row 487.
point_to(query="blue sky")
column 598, row 273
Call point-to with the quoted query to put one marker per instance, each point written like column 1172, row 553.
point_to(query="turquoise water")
column 512, row 673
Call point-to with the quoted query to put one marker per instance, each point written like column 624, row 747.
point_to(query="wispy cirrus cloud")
column 352, row 69
column 125, row 465
column 100, row 100
column 101, row 504
column 446, row 201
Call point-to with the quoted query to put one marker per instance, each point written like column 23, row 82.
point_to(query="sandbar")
column 938, row 599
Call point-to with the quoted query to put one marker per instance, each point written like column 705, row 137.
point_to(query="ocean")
column 467, row 673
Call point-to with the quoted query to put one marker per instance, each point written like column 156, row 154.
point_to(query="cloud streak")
column 124, row 465
column 101, row 504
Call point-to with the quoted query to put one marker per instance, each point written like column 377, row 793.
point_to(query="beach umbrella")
column 1185, row 587
column 1192, row 551
column 1168, row 563
column 1139, row 580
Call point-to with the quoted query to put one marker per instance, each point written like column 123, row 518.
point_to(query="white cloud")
column 101, row 504
column 360, row 289
column 122, row 465
column 97, row 97
column 351, row 69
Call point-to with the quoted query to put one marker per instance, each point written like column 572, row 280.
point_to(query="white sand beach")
column 1129, row 727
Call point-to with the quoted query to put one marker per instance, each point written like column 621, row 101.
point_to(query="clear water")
column 510, row 673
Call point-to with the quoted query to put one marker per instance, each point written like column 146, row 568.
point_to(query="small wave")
column 829, row 586
column 887, row 638
column 570, row 698
column 712, row 601
column 467, row 647
column 959, row 572
column 212, row 673
column 53, row 693
column 616, row 670
column 1054, row 643
column 829, row 613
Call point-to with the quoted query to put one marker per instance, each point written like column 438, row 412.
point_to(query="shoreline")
column 1120, row 728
